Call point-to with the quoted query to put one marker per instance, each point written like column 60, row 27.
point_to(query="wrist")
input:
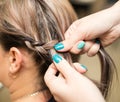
column 116, row 6
column 115, row 12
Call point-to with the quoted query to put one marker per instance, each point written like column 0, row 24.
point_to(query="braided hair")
column 37, row 25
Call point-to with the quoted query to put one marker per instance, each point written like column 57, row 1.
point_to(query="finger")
column 72, row 36
column 80, row 68
column 93, row 50
column 87, row 46
column 81, row 47
column 50, row 74
column 61, row 76
column 52, row 81
column 78, row 47
column 66, row 45
column 63, row 66
column 71, row 30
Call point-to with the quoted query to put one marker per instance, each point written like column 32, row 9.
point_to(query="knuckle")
column 92, row 53
column 74, row 51
column 73, row 27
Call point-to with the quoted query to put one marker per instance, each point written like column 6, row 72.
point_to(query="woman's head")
column 34, row 26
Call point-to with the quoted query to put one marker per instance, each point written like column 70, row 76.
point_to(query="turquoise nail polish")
column 83, row 66
column 97, row 41
column 81, row 45
column 59, row 46
column 57, row 58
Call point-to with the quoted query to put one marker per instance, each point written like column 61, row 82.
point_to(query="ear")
column 15, row 59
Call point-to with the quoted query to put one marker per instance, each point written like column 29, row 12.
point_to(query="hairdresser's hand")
column 104, row 25
column 70, row 86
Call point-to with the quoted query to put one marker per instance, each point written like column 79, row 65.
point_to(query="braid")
column 40, row 47
column 37, row 25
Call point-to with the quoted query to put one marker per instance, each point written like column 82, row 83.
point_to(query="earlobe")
column 15, row 59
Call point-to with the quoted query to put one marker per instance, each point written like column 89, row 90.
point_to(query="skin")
column 70, row 85
column 20, row 77
column 104, row 25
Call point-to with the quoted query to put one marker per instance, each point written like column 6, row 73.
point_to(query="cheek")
column 3, row 70
column 1, row 74
column 4, row 65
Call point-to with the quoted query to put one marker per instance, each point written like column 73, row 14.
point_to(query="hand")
column 104, row 25
column 70, row 85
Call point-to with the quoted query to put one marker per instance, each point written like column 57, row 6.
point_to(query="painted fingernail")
column 97, row 41
column 83, row 66
column 57, row 58
column 59, row 46
column 81, row 45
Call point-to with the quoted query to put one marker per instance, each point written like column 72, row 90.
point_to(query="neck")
column 22, row 88
column 39, row 96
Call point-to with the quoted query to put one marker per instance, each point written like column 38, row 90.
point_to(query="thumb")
column 52, row 80
column 50, row 75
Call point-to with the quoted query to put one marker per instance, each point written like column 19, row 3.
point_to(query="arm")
column 104, row 25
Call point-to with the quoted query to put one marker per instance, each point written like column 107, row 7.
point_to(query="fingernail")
column 57, row 58
column 59, row 46
column 81, row 45
column 84, row 67
column 97, row 41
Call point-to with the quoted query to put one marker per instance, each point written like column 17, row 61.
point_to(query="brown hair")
column 37, row 25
